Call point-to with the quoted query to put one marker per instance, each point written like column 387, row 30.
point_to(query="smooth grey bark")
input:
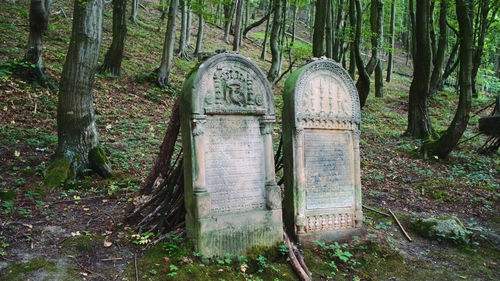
column 113, row 58
column 432, row 31
column 201, row 29
column 228, row 19
column 76, row 128
column 39, row 22
column 449, row 140
column 319, row 28
column 391, row 38
column 275, row 33
column 188, row 27
column 376, row 27
column 439, row 55
column 182, row 41
column 238, row 26
column 419, row 125
column 134, row 8
column 168, row 46
column 363, row 83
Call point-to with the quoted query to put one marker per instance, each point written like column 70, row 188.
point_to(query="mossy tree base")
column 58, row 172
column 99, row 162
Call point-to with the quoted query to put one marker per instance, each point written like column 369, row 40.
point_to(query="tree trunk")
column 391, row 51
column 228, row 15
column 257, row 23
column 39, row 22
column 238, row 26
column 450, row 138
column 413, row 31
column 363, row 83
column 451, row 64
column 484, row 23
column 439, row 55
column 78, row 139
column 201, row 28
column 319, row 28
column 328, row 30
column 352, row 46
column 264, row 44
column 188, row 27
column 275, row 50
column 379, row 75
column 432, row 32
column 419, row 125
column 163, row 9
column 182, row 41
column 134, row 8
column 339, row 40
column 168, row 46
column 113, row 58
column 295, row 8
column 376, row 26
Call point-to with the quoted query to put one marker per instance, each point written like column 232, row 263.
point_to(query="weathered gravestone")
column 231, row 197
column 321, row 120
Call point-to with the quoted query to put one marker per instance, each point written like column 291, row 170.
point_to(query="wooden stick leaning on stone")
column 301, row 269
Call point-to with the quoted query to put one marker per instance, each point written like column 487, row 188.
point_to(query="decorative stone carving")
column 321, row 121
column 231, row 197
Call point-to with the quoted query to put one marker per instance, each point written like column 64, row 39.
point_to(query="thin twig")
column 136, row 271
column 378, row 212
column 400, row 226
column 88, row 270
column 112, row 259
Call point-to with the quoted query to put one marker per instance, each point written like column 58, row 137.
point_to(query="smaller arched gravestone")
column 231, row 197
column 321, row 121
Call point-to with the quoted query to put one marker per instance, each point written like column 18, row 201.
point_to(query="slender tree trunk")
column 264, row 44
column 188, row 27
column 413, row 30
column 432, row 32
column 228, row 15
column 379, row 75
column 257, row 23
column 275, row 50
column 450, row 138
column 182, row 41
column 439, row 55
column 295, row 8
column 238, row 26
column 39, row 22
column 113, row 58
column 451, row 64
column 319, row 28
column 376, row 26
column 163, row 9
column 363, row 83
column 168, row 46
column 391, row 51
column 352, row 46
column 328, row 30
column 134, row 8
column 201, row 29
column 78, row 139
column 419, row 125
column 340, row 29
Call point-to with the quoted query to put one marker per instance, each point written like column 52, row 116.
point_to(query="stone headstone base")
column 307, row 239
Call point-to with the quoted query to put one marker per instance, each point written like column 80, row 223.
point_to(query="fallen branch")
column 136, row 271
column 89, row 271
column 400, row 226
column 303, row 273
column 112, row 259
column 375, row 211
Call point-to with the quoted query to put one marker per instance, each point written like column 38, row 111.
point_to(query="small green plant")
column 142, row 238
column 3, row 246
column 172, row 244
column 262, row 263
column 283, row 249
column 173, row 270
column 335, row 251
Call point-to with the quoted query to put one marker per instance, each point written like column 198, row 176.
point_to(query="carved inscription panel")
column 329, row 168
column 234, row 163
column 325, row 96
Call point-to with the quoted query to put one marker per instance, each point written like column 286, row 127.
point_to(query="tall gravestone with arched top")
column 231, row 197
column 321, row 121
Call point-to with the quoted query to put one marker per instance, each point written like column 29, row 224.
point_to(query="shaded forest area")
column 426, row 73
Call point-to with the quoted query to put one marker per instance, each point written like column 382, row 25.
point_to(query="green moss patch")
column 38, row 269
column 58, row 172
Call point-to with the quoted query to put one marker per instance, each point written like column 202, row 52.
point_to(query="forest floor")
column 78, row 232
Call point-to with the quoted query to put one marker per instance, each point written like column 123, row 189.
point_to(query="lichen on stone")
column 448, row 227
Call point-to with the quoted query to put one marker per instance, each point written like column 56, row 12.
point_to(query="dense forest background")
column 426, row 72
